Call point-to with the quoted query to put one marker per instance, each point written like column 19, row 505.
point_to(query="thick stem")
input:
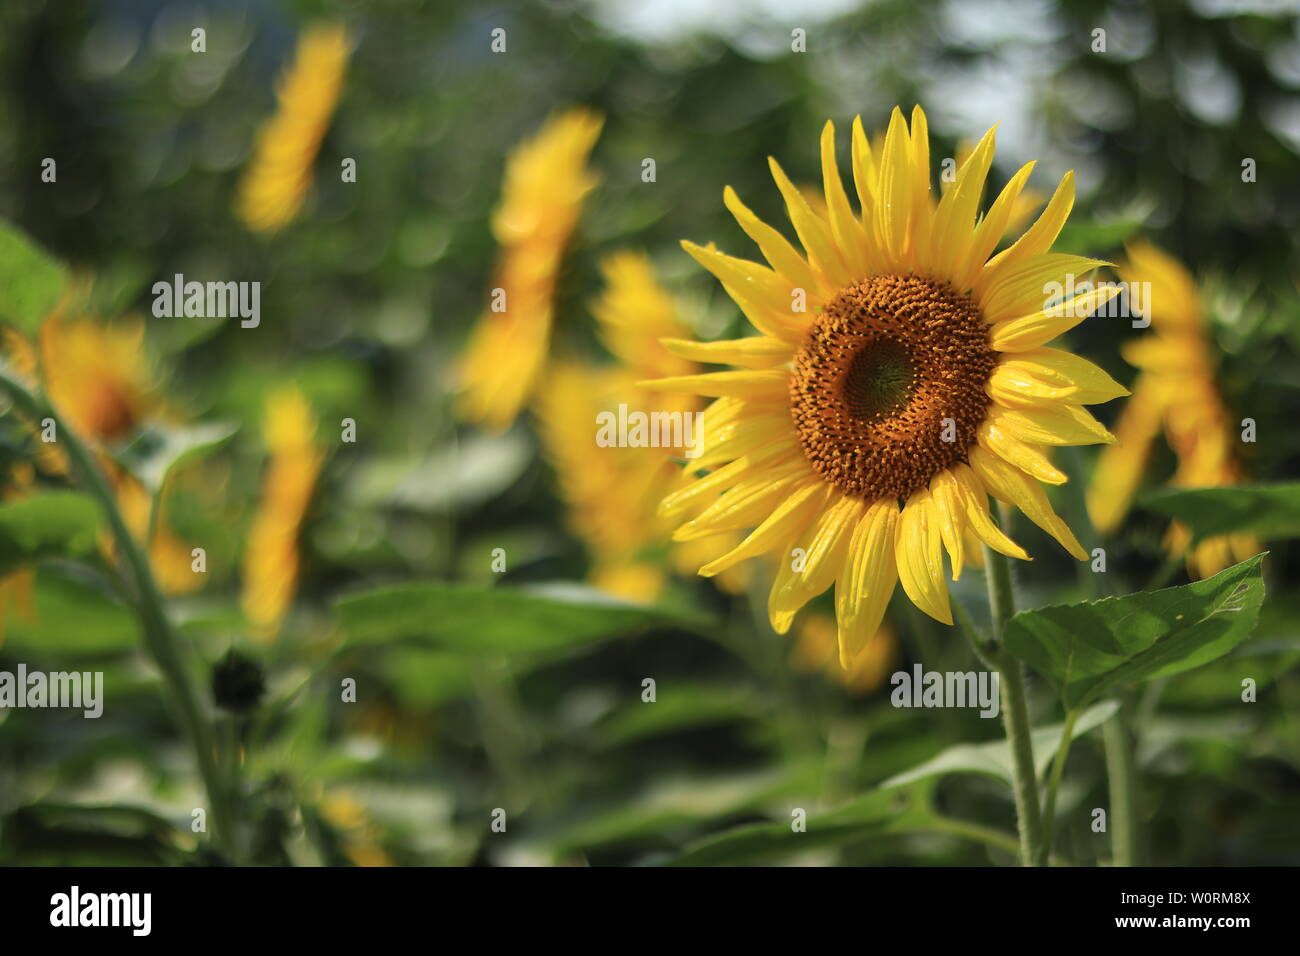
column 1015, row 711
column 1123, row 795
column 159, row 638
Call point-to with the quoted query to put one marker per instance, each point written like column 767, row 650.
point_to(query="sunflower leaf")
column 30, row 280
column 158, row 451
column 480, row 620
column 994, row 758
column 1269, row 511
column 57, row 523
column 1085, row 649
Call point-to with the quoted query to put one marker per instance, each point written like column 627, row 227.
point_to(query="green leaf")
column 994, row 758
column 880, row 812
column 682, row 706
column 69, row 835
column 1267, row 511
column 58, row 523
column 1086, row 648
column 70, row 615
column 30, row 280
column 158, row 451
column 479, row 620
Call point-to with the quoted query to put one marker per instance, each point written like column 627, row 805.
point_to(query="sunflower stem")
column 1121, row 775
column 159, row 638
column 1015, row 711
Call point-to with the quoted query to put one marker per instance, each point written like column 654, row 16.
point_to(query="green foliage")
column 1086, row 649
column 31, row 281
column 54, row 523
column 1271, row 512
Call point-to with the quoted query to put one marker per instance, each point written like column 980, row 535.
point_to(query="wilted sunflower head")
column 900, row 377
column 96, row 375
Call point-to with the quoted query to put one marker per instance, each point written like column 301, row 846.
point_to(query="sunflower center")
column 888, row 388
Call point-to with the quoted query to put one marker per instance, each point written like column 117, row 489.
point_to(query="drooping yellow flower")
column 271, row 557
column 1175, row 393
column 612, row 493
column 546, row 182
column 275, row 184
column 900, row 376
column 815, row 650
column 97, row 377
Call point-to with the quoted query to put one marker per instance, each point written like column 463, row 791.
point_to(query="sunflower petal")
column 759, row 351
column 1054, row 425
column 866, row 580
column 746, row 384
column 845, row 228
column 954, row 219
column 920, row 563
column 813, row 232
column 1037, row 239
column 893, row 195
column 997, row 439
column 1062, row 374
column 1014, row 487
column 776, row 249
column 1039, row 328
column 991, row 228
column 1024, row 288
column 824, row 550
column 784, row 520
column 864, row 174
column 745, row 505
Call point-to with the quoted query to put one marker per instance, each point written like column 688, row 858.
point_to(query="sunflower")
column 97, row 377
column 900, row 376
column 271, row 558
column 546, row 182
column 276, row 183
column 611, row 494
column 1175, row 392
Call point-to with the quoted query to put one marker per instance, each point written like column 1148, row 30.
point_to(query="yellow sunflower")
column 271, row 557
column 546, row 182
column 97, row 377
column 1175, row 393
column 612, row 493
column 900, row 376
column 276, row 183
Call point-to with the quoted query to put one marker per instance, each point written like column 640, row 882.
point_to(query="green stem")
column 1123, row 796
column 1054, row 784
column 160, row 640
column 977, row 832
column 1015, row 711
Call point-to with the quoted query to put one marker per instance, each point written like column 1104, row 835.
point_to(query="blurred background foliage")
column 530, row 699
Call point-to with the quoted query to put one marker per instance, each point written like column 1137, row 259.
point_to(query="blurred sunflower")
column 271, row 557
column 276, row 182
column 546, row 182
column 815, row 649
column 1175, row 392
column 97, row 378
column 611, row 494
column 899, row 378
